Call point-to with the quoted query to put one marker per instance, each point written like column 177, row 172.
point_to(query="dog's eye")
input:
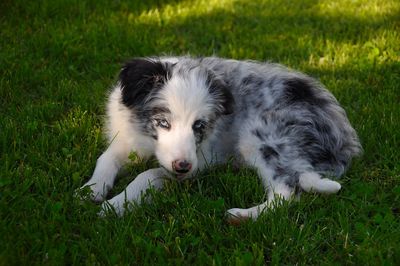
column 199, row 125
column 163, row 123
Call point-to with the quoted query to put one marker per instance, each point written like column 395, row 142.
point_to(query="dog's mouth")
column 181, row 172
column 178, row 175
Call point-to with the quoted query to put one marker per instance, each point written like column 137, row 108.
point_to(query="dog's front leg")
column 152, row 178
column 107, row 167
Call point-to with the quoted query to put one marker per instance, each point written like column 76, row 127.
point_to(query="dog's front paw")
column 83, row 193
column 111, row 206
column 94, row 191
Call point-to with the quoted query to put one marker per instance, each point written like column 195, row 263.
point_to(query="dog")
column 192, row 113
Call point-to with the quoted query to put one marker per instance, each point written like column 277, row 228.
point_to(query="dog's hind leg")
column 277, row 191
column 311, row 181
column 278, row 182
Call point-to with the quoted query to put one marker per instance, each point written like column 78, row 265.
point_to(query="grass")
column 57, row 59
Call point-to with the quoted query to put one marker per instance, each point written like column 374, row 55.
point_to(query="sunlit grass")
column 358, row 8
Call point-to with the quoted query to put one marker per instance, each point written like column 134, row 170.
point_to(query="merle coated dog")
column 195, row 112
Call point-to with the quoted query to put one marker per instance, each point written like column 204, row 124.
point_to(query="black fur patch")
column 268, row 152
column 200, row 131
column 321, row 155
column 154, row 111
column 293, row 180
column 219, row 89
column 324, row 129
column 301, row 90
column 258, row 134
column 139, row 77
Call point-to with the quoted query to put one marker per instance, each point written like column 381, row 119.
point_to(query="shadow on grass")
column 66, row 9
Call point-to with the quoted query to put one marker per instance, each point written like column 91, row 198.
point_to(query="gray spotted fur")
column 287, row 122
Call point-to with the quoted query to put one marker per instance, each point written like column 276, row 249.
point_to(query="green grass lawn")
column 59, row 57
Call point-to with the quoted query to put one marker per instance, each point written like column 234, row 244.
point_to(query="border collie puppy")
column 195, row 112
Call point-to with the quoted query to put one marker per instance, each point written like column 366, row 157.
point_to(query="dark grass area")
column 57, row 61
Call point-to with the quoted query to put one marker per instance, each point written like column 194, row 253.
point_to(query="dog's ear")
column 139, row 77
column 220, row 91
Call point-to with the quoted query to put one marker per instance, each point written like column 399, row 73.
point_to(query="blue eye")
column 163, row 124
column 199, row 125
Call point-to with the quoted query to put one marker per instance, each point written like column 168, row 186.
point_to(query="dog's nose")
column 181, row 166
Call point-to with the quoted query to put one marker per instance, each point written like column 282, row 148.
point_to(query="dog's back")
column 289, row 114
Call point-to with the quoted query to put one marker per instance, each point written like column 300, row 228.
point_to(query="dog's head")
column 177, row 105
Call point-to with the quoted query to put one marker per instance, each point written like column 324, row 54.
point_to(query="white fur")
column 312, row 181
column 186, row 105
